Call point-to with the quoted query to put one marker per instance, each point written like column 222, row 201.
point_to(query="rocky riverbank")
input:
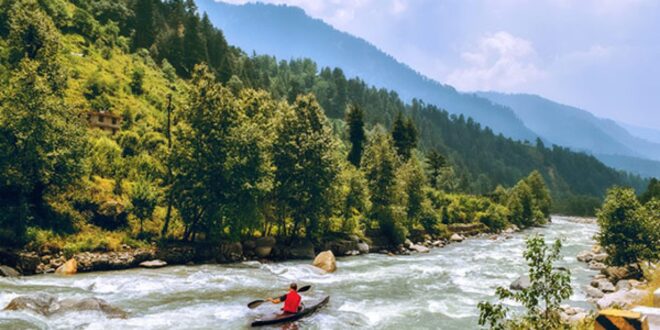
column 19, row 262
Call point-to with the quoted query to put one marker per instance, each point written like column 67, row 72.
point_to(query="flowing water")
column 438, row 290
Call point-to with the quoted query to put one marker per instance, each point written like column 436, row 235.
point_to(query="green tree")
column 435, row 162
column 549, row 286
column 404, row 135
column 306, row 164
column 137, row 81
column 413, row 180
column 540, row 192
column 355, row 121
column 144, row 198
column 380, row 166
column 628, row 231
column 42, row 140
column 652, row 191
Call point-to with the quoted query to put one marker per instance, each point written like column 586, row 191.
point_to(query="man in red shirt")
column 291, row 300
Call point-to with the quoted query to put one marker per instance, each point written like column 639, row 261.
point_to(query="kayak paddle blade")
column 255, row 304
column 305, row 288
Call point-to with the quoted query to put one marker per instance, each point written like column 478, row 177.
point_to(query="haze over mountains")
column 287, row 32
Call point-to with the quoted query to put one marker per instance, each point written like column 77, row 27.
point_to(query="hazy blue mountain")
column 580, row 130
column 287, row 32
column 646, row 133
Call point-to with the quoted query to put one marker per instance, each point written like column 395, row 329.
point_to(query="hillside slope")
column 287, row 32
column 580, row 130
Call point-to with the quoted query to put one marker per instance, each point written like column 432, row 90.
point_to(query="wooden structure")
column 104, row 120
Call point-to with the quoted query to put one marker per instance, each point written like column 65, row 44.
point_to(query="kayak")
column 288, row 317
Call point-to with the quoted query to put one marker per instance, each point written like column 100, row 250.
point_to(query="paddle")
column 257, row 303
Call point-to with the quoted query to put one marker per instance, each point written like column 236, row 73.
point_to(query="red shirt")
column 291, row 301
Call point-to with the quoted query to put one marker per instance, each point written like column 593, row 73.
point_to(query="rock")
column 407, row 243
column 90, row 304
column 592, row 292
column 40, row 303
column 174, row 254
column 596, row 249
column 27, row 262
column 600, row 257
column 363, row 247
column 230, row 251
column 68, row 268
column 420, row 248
column 585, row 256
column 621, row 298
column 615, row 274
column 438, row 243
column 302, row 250
column 623, row 285
column 264, row 246
column 596, row 265
column 326, row 261
column 47, row 305
column 456, row 238
column 603, row 285
column 153, row 264
column 520, row 283
column 7, row 271
column 341, row 247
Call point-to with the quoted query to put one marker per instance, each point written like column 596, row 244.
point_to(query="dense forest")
column 213, row 144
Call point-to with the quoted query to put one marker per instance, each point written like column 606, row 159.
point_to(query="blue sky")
column 599, row 55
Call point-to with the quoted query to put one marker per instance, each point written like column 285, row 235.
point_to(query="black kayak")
column 287, row 317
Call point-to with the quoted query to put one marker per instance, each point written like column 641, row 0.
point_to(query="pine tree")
column 404, row 135
column 435, row 162
column 355, row 121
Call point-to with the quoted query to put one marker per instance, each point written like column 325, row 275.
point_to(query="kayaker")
column 291, row 300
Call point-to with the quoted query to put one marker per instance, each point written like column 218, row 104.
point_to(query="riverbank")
column 441, row 287
column 265, row 249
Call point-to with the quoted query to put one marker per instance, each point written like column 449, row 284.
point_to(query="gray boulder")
column 231, row 251
column 47, row 305
column 585, row 256
column 456, row 238
column 302, row 250
column 363, row 247
column 419, row 248
column 7, row 271
column 264, row 246
column 592, row 292
column 153, row 264
column 600, row 257
column 595, row 265
column 621, row 298
column 603, row 285
column 521, row 283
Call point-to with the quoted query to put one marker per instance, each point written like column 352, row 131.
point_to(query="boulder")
column 456, row 238
column 230, row 252
column 623, row 285
column 595, row 265
column 603, row 285
column 592, row 292
column 326, row 261
column 600, row 257
column 438, row 243
column 302, row 250
column 264, row 246
column 585, row 256
column 27, row 262
column 6, row 271
column 419, row 248
column 622, row 298
column 407, row 243
column 68, row 268
column 363, row 247
column 175, row 254
column 520, row 283
column 47, row 305
column 153, row 264
column 341, row 247
column 615, row 274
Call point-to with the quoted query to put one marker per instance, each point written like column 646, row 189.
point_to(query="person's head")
column 293, row 286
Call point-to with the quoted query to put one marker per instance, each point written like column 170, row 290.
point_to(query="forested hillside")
column 208, row 143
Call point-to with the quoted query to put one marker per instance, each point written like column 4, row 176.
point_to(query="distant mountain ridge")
column 580, row 130
column 287, row 32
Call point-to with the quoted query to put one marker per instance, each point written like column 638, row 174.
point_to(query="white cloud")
column 500, row 61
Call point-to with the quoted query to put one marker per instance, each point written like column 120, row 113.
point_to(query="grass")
column 653, row 284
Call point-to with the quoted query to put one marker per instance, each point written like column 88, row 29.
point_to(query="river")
column 438, row 290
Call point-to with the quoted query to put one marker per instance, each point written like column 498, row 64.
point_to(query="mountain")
column 580, row 130
column 645, row 133
column 287, row 32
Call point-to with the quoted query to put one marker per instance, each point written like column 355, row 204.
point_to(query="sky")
column 599, row 55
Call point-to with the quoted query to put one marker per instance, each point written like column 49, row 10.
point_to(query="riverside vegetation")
column 218, row 146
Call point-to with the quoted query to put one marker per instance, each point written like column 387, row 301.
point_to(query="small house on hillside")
column 104, row 120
